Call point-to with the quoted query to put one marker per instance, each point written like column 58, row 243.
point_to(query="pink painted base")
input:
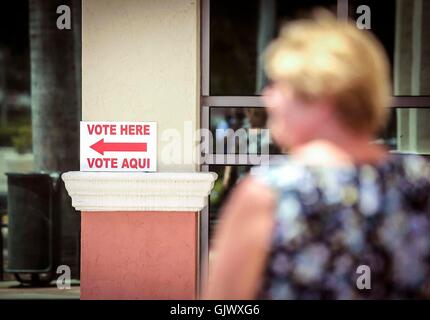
column 139, row 255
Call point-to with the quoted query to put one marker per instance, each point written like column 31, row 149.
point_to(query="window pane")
column 388, row 136
column 403, row 26
column 238, row 131
column 239, row 32
column 227, row 178
column 413, row 131
column 408, row 131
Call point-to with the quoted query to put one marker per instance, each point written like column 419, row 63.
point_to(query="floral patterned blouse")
column 331, row 221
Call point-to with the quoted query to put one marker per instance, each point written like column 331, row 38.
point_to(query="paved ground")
column 13, row 290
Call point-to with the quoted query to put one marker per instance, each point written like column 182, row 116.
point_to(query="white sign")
column 118, row 146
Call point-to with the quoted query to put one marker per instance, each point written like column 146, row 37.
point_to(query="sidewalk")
column 14, row 290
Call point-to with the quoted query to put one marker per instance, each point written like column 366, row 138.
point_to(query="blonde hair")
column 326, row 58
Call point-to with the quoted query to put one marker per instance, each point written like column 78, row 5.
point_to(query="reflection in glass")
column 413, row 131
column 403, row 27
column 246, row 135
column 228, row 176
column 407, row 131
column 388, row 136
column 240, row 30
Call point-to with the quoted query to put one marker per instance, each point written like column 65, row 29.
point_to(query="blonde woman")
column 341, row 218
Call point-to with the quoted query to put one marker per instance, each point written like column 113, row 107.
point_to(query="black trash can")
column 38, row 239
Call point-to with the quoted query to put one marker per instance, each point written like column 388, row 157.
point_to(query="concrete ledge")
column 139, row 191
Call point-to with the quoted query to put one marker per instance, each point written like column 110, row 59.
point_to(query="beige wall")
column 140, row 62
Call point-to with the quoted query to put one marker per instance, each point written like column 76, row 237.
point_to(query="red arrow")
column 101, row 146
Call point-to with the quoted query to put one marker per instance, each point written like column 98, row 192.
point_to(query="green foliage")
column 17, row 131
column 22, row 141
column 217, row 193
column 17, row 136
column 6, row 135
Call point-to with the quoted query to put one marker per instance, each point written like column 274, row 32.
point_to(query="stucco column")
column 141, row 62
column 141, row 235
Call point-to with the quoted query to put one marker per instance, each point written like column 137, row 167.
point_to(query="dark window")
column 239, row 32
column 403, row 27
